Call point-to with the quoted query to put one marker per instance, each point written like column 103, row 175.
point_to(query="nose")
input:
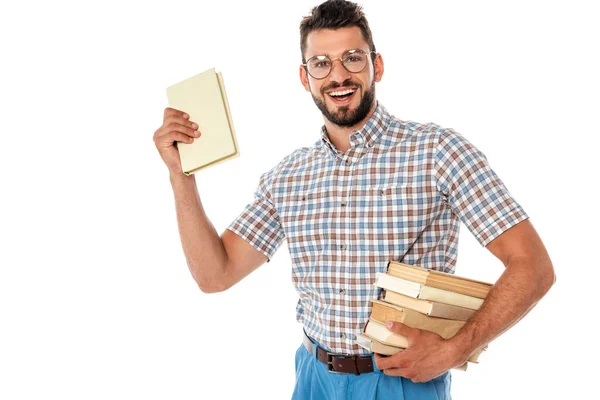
column 338, row 73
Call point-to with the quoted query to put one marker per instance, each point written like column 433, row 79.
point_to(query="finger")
column 173, row 111
column 395, row 361
column 401, row 329
column 177, row 137
column 403, row 372
column 175, row 127
column 181, row 121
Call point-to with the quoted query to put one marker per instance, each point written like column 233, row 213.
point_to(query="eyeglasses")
column 319, row 67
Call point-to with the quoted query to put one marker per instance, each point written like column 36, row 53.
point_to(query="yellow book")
column 203, row 97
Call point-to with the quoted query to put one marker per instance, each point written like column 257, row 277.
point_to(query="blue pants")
column 314, row 382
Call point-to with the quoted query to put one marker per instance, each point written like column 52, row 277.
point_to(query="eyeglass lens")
column 353, row 60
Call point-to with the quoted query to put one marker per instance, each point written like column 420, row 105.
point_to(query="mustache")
column 335, row 85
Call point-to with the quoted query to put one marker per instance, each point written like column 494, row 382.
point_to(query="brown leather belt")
column 339, row 363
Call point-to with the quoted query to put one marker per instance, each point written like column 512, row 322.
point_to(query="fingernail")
column 196, row 133
column 194, row 125
column 185, row 115
column 389, row 324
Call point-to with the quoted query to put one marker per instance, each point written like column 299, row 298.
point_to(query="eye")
column 319, row 64
column 353, row 58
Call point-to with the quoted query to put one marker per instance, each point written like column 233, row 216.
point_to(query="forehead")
column 334, row 41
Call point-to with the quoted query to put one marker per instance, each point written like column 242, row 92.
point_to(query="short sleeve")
column 259, row 223
column 473, row 190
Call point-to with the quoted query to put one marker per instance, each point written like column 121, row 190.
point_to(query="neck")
column 340, row 135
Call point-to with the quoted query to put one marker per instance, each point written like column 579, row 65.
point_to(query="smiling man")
column 373, row 188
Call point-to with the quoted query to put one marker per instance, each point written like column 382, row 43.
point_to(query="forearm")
column 516, row 292
column 204, row 251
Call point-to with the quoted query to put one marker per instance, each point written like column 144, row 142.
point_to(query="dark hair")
column 335, row 14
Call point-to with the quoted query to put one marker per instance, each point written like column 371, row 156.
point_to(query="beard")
column 344, row 116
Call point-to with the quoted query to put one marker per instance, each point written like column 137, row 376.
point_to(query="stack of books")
column 420, row 298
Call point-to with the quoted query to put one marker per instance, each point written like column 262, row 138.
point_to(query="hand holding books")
column 203, row 97
column 197, row 106
column 417, row 298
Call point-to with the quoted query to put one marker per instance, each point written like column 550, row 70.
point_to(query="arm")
column 215, row 262
column 529, row 274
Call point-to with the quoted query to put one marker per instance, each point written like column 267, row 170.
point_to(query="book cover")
column 203, row 97
column 374, row 346
column 383, row 312
column 378, row 331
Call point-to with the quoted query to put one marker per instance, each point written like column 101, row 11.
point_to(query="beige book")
column 440, row 280
column 383, row 312
column 428, row 307
column 419, row 291
column 374, row 346
column 203, row 97
column 378, row 331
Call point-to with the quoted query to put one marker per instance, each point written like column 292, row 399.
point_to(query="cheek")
column 315, row 88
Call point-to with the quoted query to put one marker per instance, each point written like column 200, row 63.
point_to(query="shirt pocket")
column 385, row 219
column 306, row 219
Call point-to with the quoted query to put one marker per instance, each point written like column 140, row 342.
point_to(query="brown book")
column 440, row 280
column 428, row 307
column 383, row 312
column 374, row 346
column 378, row 331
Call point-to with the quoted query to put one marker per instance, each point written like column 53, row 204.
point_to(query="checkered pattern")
column 399, row 193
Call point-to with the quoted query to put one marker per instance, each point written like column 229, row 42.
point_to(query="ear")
column 304, row 78
column 378, row 67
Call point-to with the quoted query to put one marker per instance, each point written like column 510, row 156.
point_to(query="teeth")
column 342, row 93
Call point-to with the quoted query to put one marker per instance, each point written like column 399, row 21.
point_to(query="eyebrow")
column 344, row 52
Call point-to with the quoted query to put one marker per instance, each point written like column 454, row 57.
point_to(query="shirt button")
column 348, row 162
column 344, row 203
column 343, row 247
column 382, row 192
column 342, row 291
column 343, row 336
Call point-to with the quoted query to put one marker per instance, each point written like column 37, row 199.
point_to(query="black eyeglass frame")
column 341, row 59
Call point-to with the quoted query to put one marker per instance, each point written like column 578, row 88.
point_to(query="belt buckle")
column 330, row 367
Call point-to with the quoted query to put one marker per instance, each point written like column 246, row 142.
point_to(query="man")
column 372, row 189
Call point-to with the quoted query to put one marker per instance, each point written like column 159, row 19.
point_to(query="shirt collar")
column 368, row 134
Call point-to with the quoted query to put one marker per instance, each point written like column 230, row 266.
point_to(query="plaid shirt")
column 398, row 193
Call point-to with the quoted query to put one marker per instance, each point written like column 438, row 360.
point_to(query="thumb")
column 400, row 328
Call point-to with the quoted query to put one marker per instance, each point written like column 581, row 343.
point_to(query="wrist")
column 179, row 177
column 459, row 348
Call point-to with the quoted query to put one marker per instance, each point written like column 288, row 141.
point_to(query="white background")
column 96, row 301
